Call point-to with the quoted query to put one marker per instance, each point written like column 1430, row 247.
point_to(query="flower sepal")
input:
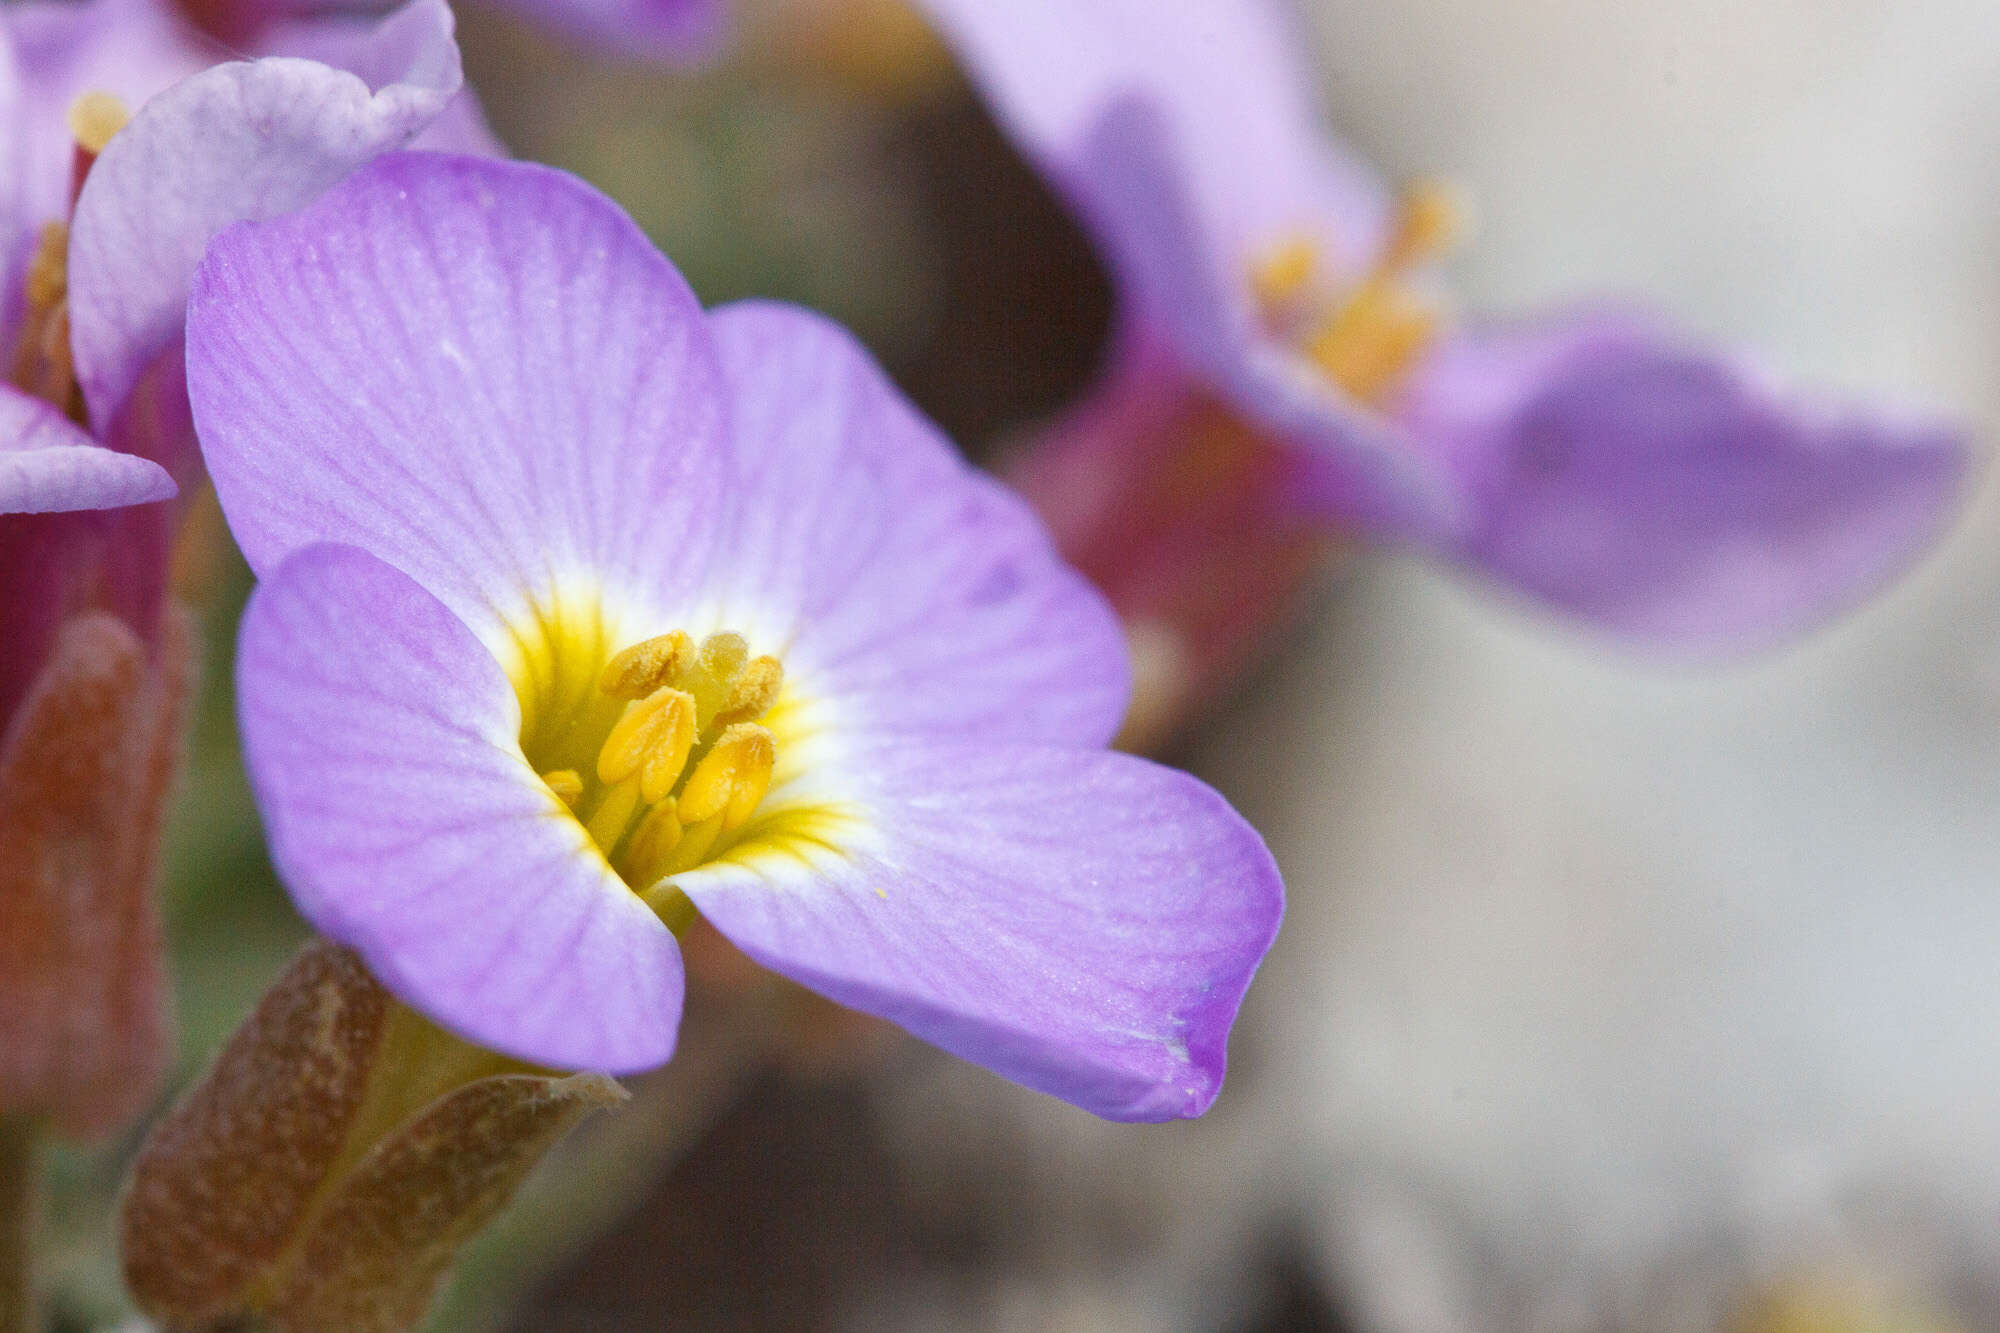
column 329, row 1168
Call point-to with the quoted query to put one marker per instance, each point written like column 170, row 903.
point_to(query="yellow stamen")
column 1373, row 340
column 1433, row 219
column 94, row 118
column 731, row 778
column 753, row 691
column 42, row 364
column 695, row 845
column 723, row 655
column 655, row 734
column 1369, row 335
column 48, row 271
column 682, row 765
column 1284, row 272
column 657, row 835
column 567, row 784
column 614, row 812
column 639, row 670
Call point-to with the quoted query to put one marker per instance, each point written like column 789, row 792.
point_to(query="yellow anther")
column 1373, row 339
column 567, row 784
column 654, row 736
column 614, row 812
column 1432, row 219
column 723, row 655
column 644, row 667
column 94, row 118
column 1283, row 272
column 731, row 778
column 753, row 691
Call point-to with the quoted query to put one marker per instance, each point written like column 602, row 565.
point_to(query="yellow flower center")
column 680, row 760
column 41, row 364
column 1363, row 335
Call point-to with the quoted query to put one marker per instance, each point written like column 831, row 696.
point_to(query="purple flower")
column 582, row 611
column 102, row 220
column 1591, row 461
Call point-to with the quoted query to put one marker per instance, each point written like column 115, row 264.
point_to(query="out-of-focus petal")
column 1084, row 923
column 249, row 139
column 885, row 571
column 1188, row 295
column 1669, row 495
column 48, row 465
column 1224, row 76
column 482, row 373
column 672, row 30
column 383, row 743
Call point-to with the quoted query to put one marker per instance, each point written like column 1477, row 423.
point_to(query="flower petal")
column 922, row 594
column 1667, row 494
column 483, row 374
column 1186, row 136
column 674, row 30
column 1222, row 77
column 383, row 743
column 354, row 43
column 1084, row 923
column 49, row 465
column 241, row 140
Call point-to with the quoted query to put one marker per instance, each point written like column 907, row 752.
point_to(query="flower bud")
column 85, row 770
column 328, row 1169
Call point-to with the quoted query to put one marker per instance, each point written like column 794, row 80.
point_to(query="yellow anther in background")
column 723, row 655
column 731, row 778
column 644, row 667
column 1433, row 218
column 753, row 691
column 94, row 118
column 655, row 734
column 567, row 784
column 1372, row 340
column 1283, row 272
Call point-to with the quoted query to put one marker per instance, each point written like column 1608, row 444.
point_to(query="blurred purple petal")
column 241, row 140
column 672, row 30
column 1084, row 923
column 384, row 745
column 477, row 370
column 1222, row 76
column 913, row 587
column 49, row 465
column 1667, row 494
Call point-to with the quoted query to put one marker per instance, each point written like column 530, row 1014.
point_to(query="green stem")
column 19, row 1204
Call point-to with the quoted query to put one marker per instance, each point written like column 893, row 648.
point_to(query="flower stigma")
column 1363, row 335
column 664, row 753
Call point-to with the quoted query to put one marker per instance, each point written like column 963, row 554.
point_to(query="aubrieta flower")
column 582, row 611
column 104, row 212
column 1283, row 369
